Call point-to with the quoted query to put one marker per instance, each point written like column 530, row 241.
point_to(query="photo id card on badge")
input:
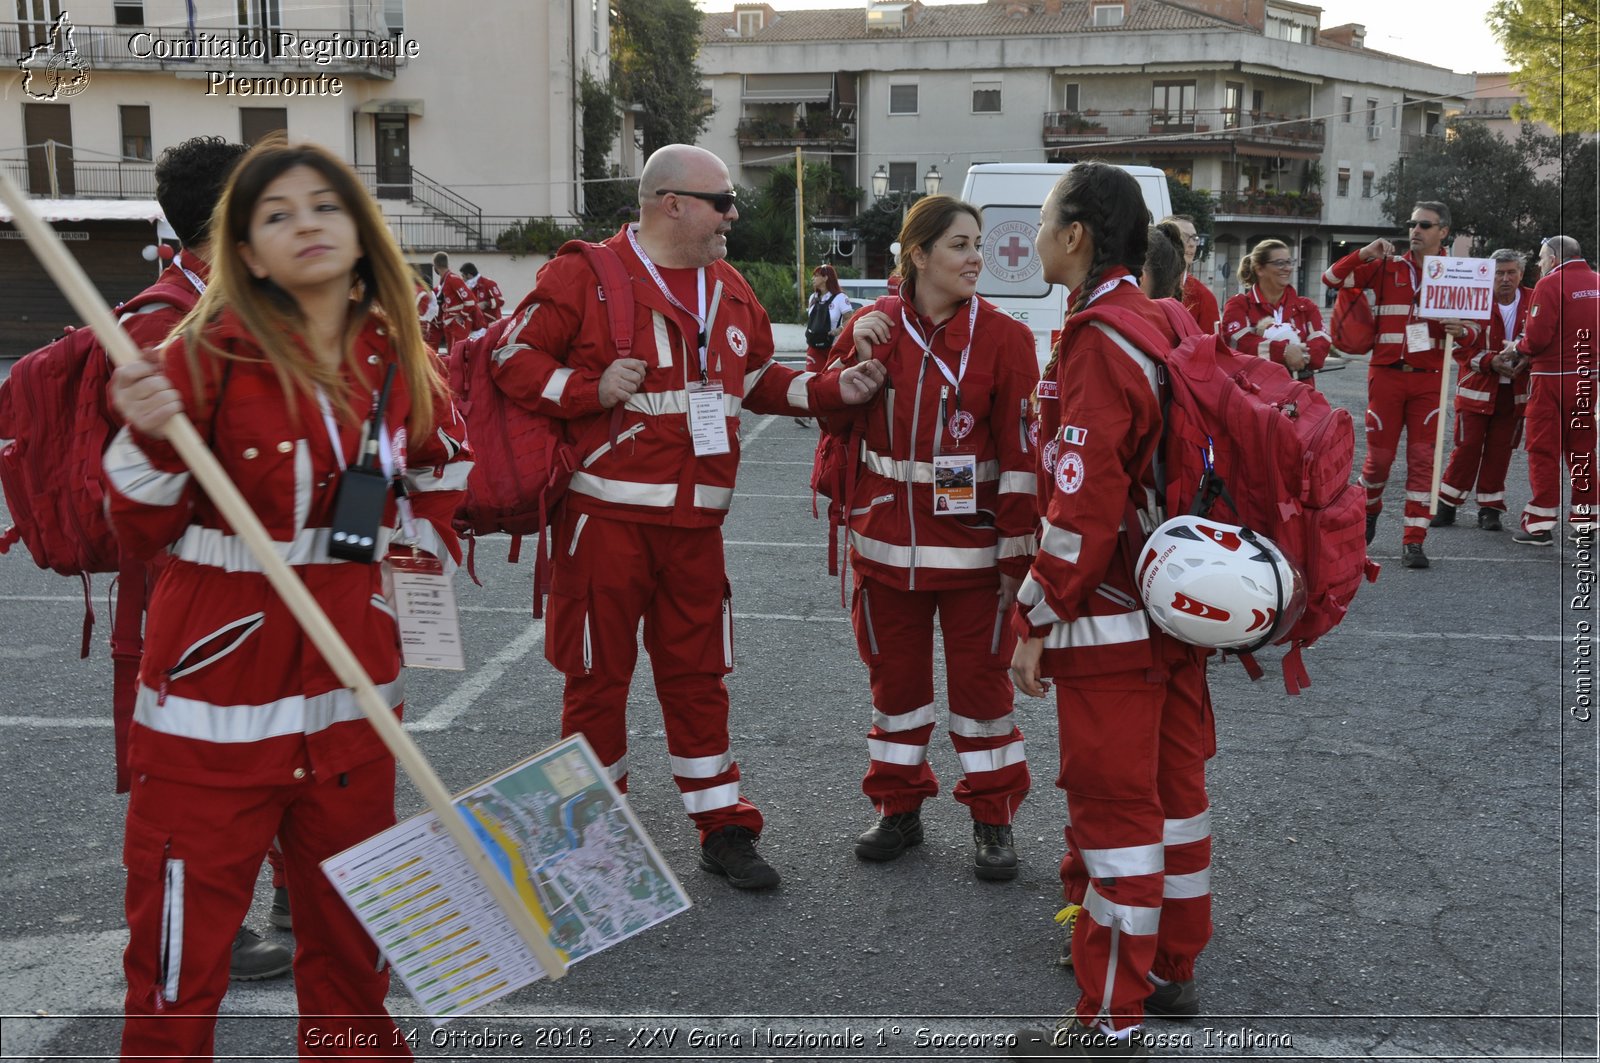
column 955, row 484
column 1417, row 338
column 425, row 608
column 708, row 424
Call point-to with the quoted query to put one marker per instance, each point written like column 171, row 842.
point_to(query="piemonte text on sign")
column 1457, row 288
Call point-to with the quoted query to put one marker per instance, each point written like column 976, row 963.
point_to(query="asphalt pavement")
column 1405, row 858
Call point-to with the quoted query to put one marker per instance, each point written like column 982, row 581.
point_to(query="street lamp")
column 880, row 183
column 930, row 181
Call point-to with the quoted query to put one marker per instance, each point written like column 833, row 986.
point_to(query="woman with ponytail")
column 1269, row 319
column 1133, row 713
column 305, row 342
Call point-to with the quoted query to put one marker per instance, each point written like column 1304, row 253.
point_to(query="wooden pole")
column 1438, row 439
column 74, row 283
column 800, row 225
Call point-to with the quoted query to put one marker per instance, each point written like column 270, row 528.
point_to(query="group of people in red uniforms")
column 1005, row 507
column 462, row 304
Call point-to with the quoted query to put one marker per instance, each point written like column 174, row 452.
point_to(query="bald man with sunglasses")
column 639, row 535
column 1403, row 376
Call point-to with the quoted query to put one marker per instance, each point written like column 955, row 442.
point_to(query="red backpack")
column 1353, row 328
column 1244, row 442
column 522, row 461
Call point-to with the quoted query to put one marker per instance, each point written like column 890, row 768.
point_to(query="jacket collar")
column 953, row 328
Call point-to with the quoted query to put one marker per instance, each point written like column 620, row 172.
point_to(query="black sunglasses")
column 1423, row 225
column 721, row 202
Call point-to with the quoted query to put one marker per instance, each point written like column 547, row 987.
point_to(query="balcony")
column 1416, row 143
column 809, row 133
column 1212, row 132
column 1260, row 204
column 49, row 171
column 358, row 53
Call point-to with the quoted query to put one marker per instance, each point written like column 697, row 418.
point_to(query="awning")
column 391, row 107
column 1280, row 72
column 788, row 88
column 92, row 210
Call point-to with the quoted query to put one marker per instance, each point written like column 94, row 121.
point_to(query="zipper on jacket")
column 1022, row 425
column 605, row 448
column 911, row 463
column 944, row 419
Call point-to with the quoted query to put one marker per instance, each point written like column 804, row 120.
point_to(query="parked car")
column 862, row 293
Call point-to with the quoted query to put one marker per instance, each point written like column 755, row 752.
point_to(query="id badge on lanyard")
column 425, row 609
column 1418, row 341
column 708, row 424
column 955, row 484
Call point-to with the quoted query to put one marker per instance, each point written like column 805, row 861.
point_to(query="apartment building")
column 460, row 118
column 1287, row 123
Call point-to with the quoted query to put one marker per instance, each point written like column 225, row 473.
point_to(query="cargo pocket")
column 861, row 617
column 156, row 892
column 211, row 648
column 568, row 639
column 727, row 627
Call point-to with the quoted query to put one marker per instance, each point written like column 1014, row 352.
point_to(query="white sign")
column 1457, row 288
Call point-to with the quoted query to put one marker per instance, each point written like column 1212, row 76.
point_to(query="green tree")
column 607, row 200
column 1555, row 46
column 1575, row 210
column 653, row 47
column 765, row 229
column 1489, row 184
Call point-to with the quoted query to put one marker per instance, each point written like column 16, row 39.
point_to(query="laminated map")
column 560, row 833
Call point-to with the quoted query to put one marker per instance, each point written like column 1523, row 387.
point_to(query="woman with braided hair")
column 1134, row 716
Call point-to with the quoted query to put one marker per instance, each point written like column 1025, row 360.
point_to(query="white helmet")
column 1219, row 585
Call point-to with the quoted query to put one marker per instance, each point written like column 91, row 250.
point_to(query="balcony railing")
column 259, row 51
column 1222, row 129
column 767, row 132
column 49, row 171
column 1412, row 143
column 409, row 183
column 418, row 232
column 1269, row 204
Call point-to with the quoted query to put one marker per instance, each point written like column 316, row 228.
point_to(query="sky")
column 1447, row 33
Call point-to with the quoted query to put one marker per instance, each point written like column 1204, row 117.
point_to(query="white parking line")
column 755, row 433
column 481, row 679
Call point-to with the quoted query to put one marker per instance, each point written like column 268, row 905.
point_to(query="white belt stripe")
column 556, row 385
column 1185, row 887
column 209, row 546
column 979, row 760
column 1402, row 309
column 968, row 727
column 1111, row 630
column 905, row 721
column 1125, row 861
column 661, row 403
column 1137, row 921
column 954, row 557
column 702, row 767
column 896, row 752
column 131, row 473
column 624, row 492
column 1391, row 337
column 1473, row 394
column 921, row 472
column 711, row 798
column 1186, row 831
column 708, row 497
column 293, row 715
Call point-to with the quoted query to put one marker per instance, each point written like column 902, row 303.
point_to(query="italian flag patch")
column 1074, row 435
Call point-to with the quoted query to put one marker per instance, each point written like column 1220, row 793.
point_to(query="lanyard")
column 702, row 319
column 199, row 285
column 916, row 336
column 1277, row 311
column 1110, row 284
column 332, row 426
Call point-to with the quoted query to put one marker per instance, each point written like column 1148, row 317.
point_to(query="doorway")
column 393, row 134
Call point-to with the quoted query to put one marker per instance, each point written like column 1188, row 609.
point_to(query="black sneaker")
column 1372, row 527
column 891, row 836
column 731, row 853
column 1071, row 1039
column 254, row 959
column 996, row 855
column 1489, row 520
column 1538, row 538
column 1445, row 517
column 278, row 914
column 1411, row 556
column 1175, row 1000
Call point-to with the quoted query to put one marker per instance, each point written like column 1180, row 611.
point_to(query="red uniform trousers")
column 1482, row 453
column 894, row 633
column 1561, row 436
column 1134, row 747
column 607, row 576
column 193, row 854
column 1398, row 400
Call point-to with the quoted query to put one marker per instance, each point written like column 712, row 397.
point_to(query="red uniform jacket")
column 1396, row 284
column 560, row 345
column 232, row 692
column 1477, row 389
column 458, row 310
column 1099, row 428
column 1198, row 300
column 1246, row 310
column 895, row 535
column 1565, row 320
column 491, row 300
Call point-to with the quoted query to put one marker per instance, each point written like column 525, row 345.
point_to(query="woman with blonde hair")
column 303, row 357
column 1269, row 319
column 941, row 526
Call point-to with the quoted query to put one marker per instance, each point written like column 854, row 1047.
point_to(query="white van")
column 1010, row 195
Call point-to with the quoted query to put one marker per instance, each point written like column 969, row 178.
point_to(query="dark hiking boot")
column 891, row 836
column 996, row 853
column 731, row 853
column 254, row 959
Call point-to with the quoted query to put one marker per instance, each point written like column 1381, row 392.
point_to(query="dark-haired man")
column 1403, row 376
column 491, row 300
column 458, row 309
column 190, row 177
column 1197, row 298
